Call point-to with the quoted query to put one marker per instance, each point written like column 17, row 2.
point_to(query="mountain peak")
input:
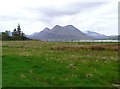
column 56, row 26
column 45, row 30
column 69, row 26
column 72, row 28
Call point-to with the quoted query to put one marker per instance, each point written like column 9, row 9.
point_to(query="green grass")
column 50, row 64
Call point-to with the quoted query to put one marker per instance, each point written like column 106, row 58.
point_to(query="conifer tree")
column 19, row 29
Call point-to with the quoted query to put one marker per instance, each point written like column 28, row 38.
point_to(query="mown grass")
column 50, row 64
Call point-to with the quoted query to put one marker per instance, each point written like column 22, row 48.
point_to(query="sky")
column 34, row 15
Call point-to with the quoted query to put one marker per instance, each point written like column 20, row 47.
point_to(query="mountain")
column 60, row 33
column 32, row 35
column 96, row 35
column 115, row 37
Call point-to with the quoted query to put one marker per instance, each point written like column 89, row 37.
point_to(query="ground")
column 50, row 64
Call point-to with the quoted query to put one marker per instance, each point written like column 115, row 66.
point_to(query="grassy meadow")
column 59, row 64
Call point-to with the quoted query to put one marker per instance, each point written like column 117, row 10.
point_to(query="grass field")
column 50, row 64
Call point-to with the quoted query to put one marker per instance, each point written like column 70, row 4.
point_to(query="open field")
column 48, row 64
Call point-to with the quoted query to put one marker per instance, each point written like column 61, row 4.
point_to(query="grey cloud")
column 48, row 14
column 70, row 9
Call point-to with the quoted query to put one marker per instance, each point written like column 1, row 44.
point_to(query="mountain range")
column 60, row 33
column 66, row 33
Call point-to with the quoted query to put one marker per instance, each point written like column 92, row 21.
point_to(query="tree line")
column 17, row 34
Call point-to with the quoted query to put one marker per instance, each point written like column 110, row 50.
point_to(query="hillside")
column 115, row 37
column 96, row 35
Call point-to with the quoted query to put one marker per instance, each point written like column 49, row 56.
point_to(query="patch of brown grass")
column 113, row 47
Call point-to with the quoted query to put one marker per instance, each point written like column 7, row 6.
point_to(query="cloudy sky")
column 34, row 15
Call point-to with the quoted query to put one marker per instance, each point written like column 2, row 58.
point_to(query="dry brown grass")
column 113, row 47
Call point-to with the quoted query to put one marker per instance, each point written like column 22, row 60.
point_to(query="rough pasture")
column 45, row 64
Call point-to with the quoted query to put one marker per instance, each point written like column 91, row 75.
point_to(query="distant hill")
column 60, row 33
column 96, row 35
column 115, row 37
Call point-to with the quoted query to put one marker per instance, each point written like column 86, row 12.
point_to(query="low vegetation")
column 50, row 64
column 112, row 47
